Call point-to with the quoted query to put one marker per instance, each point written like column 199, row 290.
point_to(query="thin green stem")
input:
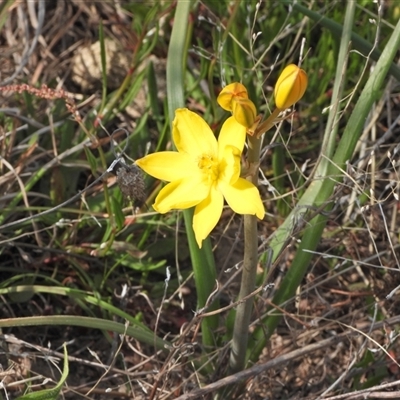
column 268, row 123
column 249, row 274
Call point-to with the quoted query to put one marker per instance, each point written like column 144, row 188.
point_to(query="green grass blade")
column 87, row 322
column 79, row 295
column 331, row 128
column 177, row 58
column 50, row 394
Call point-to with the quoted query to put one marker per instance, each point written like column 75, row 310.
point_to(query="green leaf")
column 117, row 211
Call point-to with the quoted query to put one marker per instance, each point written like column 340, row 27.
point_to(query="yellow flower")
column 234, row 98
column 203, row 172
column 290, row 87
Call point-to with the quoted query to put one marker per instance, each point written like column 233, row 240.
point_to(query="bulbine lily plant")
column 204, row 171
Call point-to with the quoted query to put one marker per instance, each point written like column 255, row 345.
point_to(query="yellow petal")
column 181, row 194
column 243, row 197
column 207, row 214
column 232, row 134
column 229, row 165
column 290, row 87
column 244, row 111
column 228, row 92
column 168, row 165
column 192, row 135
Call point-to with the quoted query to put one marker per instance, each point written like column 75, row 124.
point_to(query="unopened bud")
column 290, row 87
column 244, row 111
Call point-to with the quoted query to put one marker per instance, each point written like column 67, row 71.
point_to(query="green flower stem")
column 249, row 274
column 202, row 259
column 319, row 193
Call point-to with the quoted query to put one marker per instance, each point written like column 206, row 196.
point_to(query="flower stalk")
column 289, row 88
column 249, row 274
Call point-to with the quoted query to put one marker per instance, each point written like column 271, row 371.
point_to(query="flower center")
column 209, row 167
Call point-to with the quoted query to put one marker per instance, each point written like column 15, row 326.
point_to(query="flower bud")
column 234, row 90
column 290, row 87
column 244, row 111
